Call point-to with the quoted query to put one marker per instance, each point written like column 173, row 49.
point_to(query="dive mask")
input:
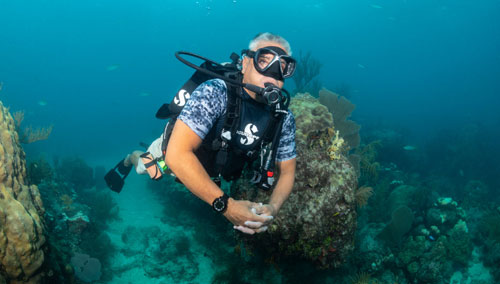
column 273, row 62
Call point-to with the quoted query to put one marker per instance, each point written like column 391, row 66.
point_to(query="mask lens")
column 289, row 68
column 264, row 59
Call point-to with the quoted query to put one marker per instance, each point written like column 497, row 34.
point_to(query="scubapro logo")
column 248, row 136
column 181, row 97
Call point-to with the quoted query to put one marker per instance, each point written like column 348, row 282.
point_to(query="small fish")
column 113, row 67
column 375, row 6
column 409, row 148
column 432, row 238
column 42, row 103
column 361, row 66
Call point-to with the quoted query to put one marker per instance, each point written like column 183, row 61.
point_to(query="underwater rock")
column 21, row 211
column 77, row 223
column 318, row 221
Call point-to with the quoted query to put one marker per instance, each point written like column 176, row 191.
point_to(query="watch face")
column 219, row 205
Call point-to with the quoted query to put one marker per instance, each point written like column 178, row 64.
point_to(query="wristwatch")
column 220, row 203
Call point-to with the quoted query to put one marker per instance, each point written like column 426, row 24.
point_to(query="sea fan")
column 362, row 195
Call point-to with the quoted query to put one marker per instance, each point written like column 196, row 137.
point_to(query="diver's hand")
column 268, row 211
column 240, row 211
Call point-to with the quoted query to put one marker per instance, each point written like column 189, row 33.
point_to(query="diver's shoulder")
column 216, row 83
column 289, row 122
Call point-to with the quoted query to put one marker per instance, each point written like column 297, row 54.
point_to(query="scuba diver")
column 227, row 117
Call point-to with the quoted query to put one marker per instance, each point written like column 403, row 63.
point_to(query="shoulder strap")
column 233, row 108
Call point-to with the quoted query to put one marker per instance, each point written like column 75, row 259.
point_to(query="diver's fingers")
column 244, row 230
column 253, row 225
column 264, row 218
column 261, row 229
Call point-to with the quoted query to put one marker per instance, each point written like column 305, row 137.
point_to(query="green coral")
column 459, row 244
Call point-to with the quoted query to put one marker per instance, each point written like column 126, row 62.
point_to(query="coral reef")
column 438, row 241
column 318, row 221
column 76, row 217
column 22, row 236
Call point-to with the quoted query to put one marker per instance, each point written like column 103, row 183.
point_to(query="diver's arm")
column 181, row 159
column 284, row 185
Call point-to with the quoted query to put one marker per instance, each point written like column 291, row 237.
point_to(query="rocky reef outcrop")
column 21, row 212
column 318, row 221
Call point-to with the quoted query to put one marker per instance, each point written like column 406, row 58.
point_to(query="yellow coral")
column 31, row 134
column 336, row 148
column 18, row 118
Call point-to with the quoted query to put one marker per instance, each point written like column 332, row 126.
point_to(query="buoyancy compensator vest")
column 248, row 131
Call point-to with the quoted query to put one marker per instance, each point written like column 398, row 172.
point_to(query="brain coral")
column 21, row 210
column 318, row 221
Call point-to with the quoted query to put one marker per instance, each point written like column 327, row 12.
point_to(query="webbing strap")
column 150, row 164
column 230, row 124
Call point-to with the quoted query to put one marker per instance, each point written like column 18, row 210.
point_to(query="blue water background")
column 423, row 65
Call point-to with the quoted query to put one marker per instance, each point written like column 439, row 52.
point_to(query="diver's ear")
column 244, row 64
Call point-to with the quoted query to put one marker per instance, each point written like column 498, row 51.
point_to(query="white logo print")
column 248, row 136
column 181, row 97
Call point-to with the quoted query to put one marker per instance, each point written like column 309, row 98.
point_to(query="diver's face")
column 252, row 76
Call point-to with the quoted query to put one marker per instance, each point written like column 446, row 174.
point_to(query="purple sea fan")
column 87, row 268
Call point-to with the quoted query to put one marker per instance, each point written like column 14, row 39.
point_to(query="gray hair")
column 270, row 37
